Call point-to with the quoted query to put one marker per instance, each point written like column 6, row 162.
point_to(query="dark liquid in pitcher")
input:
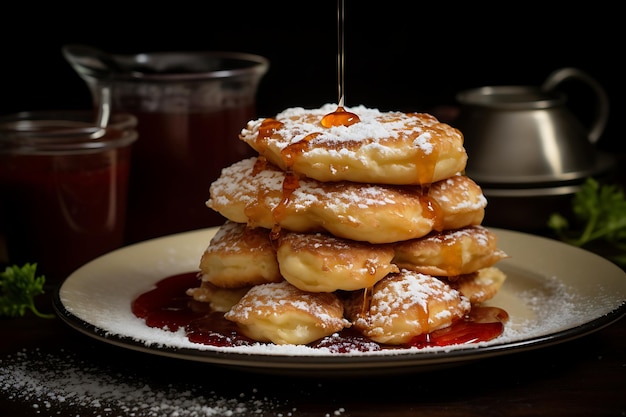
column 175, row 160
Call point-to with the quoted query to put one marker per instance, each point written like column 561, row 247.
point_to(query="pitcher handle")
column 602, row 99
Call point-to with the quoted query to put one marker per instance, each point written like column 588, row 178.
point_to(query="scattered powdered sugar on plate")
column 545, row 309
column 551, row 306
column 60, row 384
column 548, row 295
column 561, row 304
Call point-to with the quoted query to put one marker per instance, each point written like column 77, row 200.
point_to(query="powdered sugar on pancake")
column 374, row 213
column 374, row 129
column 407, row 304
column 273, row 298
column 383, row 147
column 464, row 196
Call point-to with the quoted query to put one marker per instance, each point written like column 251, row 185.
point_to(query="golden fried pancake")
column 450, row 252
column 219, row 299
column 238, row 256
column 319, row 262
column 383, row 147
column 251, row 191
column 283, row 314
column 481, row 285
column 461, row 201
column 404, row 305
column 323, row 263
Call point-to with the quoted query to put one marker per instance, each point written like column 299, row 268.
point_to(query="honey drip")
column 290, row 152
column 367, row 300
column 431, row 209
column 340, row 117
column 266, row 130
column 259, row 165
column 290, row 184
column 426, row 164
column 453, row 257
column 341, row 54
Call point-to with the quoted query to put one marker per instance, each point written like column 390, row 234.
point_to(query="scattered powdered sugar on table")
column 64, row 384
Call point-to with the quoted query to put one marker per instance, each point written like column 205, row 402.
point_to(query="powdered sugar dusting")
column 407, row 301
column 403, row 295
column 383, row 147
column 239, row 184
column 460, row 194
column 560, row 309
column 424, row 142
column 63, row 384
column 299, row 123
column 534, row 312
column 272, row 298
column 375, row 213
column 478, row 233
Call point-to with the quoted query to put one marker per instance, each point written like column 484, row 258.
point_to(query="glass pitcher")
column 190, row 108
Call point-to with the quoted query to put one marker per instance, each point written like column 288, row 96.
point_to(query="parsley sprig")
column 600, row 210
column 18, row 289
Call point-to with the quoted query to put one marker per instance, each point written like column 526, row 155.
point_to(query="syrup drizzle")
column 290, row 184
column 290, row 152
column 431, row 209
column 340, row 51
column 340, row 117
column 266, row 130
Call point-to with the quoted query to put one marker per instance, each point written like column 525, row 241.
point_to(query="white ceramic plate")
column 553, row 293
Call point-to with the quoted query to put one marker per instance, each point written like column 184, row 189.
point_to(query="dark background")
column 400, row 55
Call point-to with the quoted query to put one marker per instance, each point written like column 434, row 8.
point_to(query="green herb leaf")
column 600, row 210
column 18, row 289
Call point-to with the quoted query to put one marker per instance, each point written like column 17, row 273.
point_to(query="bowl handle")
column 602, row 100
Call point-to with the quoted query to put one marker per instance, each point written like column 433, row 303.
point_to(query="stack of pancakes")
column 348, row 218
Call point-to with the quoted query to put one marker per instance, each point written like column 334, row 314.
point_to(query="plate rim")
column 404, row 361
column 404, row 358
